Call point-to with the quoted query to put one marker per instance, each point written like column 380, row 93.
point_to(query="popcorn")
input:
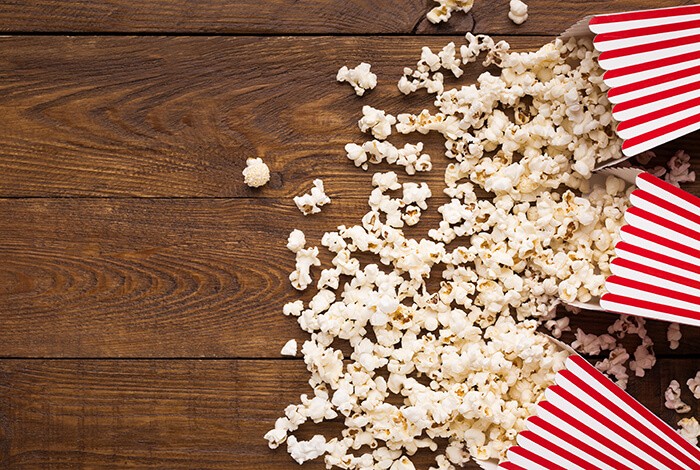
column 311, row 202
column 689, row 429
column 673, row 334
column 296, row 241
column 377, row 122
column 694, row 385
column 361, row 78
column 301, row 451
column 679, row 169
column 518, row 11
column 290, row 348
column 444, row 11
column 673, row 398
column 301, row 276
column 376, row 151
column 256, row 173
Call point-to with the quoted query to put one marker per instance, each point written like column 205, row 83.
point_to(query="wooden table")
column 141, row 283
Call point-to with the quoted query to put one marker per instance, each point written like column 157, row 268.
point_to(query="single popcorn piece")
column 256, row 173
column 290, row 348
column 694, row 385
column 311, row 202
column 444, row 11
column 674, row 335
column 361, row 78
column 689, row 429
column 376, row 121
column 518, row 11
column 673, row 398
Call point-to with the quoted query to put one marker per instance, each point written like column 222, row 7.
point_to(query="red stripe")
column 510, row 466
column 664, row 204
column 677, row 125
column 638, row 85
column 666, row 186
column 647, row 31
column 651, row 306
column 645, row 14
column 538, row 459
column 636, row 406
column 658, row 220
column 658, row 290
column 651, row 65
column 652, row 98
column 620, row 413
column 658, row 114
column 568, row 438
column 624, row 246
column 657, row 273
column 541, row 441
column 650, row 47
column 654, row 238
column 599, row 438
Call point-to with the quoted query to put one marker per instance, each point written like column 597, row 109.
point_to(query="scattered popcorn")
column 256, row 173
column 361, row 78
column 457, row 365
column 311, row 202
column 518, row 11
column 290, row 348
column 694, row 385
column 377, row 122
column 674, row 335
column 679, row 169
column 689, row 429
column 444, row 11
column 673, row 398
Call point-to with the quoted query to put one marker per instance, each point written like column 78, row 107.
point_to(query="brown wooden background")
column 141, row 283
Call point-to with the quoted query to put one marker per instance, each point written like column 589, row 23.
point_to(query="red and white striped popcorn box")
column 652, row 63
column 656, row 272
column 589, row 422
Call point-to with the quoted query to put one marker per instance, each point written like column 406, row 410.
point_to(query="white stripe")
column 640, row 276
column 647, row 74
column 567, row 446
column 665, row 103
column 633, row 95
column 639, row 294
column 615, row 44
column 635, row 24
column 655, row 247
column 643, row 260
column 643, row 204
column 647, row 56
column 644, row 312
column 667, row 195
column 620, row 419
column 587, row 377
column 647, row 225
column 662, row 139
column 588, row 420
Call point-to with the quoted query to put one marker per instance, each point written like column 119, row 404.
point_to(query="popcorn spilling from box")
column 460, row 368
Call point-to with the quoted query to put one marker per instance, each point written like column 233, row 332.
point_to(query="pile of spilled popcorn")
column 459, row 369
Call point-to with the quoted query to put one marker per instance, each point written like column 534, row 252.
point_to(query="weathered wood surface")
column 178, row 116
column 168, row 277
column 298, row 17
column 168, row 414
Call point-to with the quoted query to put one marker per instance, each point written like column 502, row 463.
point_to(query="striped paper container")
column 588, row 422
column 652, row 63
column 656, row 272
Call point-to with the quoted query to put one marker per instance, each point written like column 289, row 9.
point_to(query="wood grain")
column 168, row 414
column 178, row 116
column 297, row 17
column 168, row 277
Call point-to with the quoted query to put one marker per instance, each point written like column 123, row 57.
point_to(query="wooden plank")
column 169, row 277
column 178, row 116
column 166, row 414
column 296, row 17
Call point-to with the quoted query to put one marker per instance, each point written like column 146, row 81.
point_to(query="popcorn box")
column 589, row 422
column 656, row 273
column 652, row 63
